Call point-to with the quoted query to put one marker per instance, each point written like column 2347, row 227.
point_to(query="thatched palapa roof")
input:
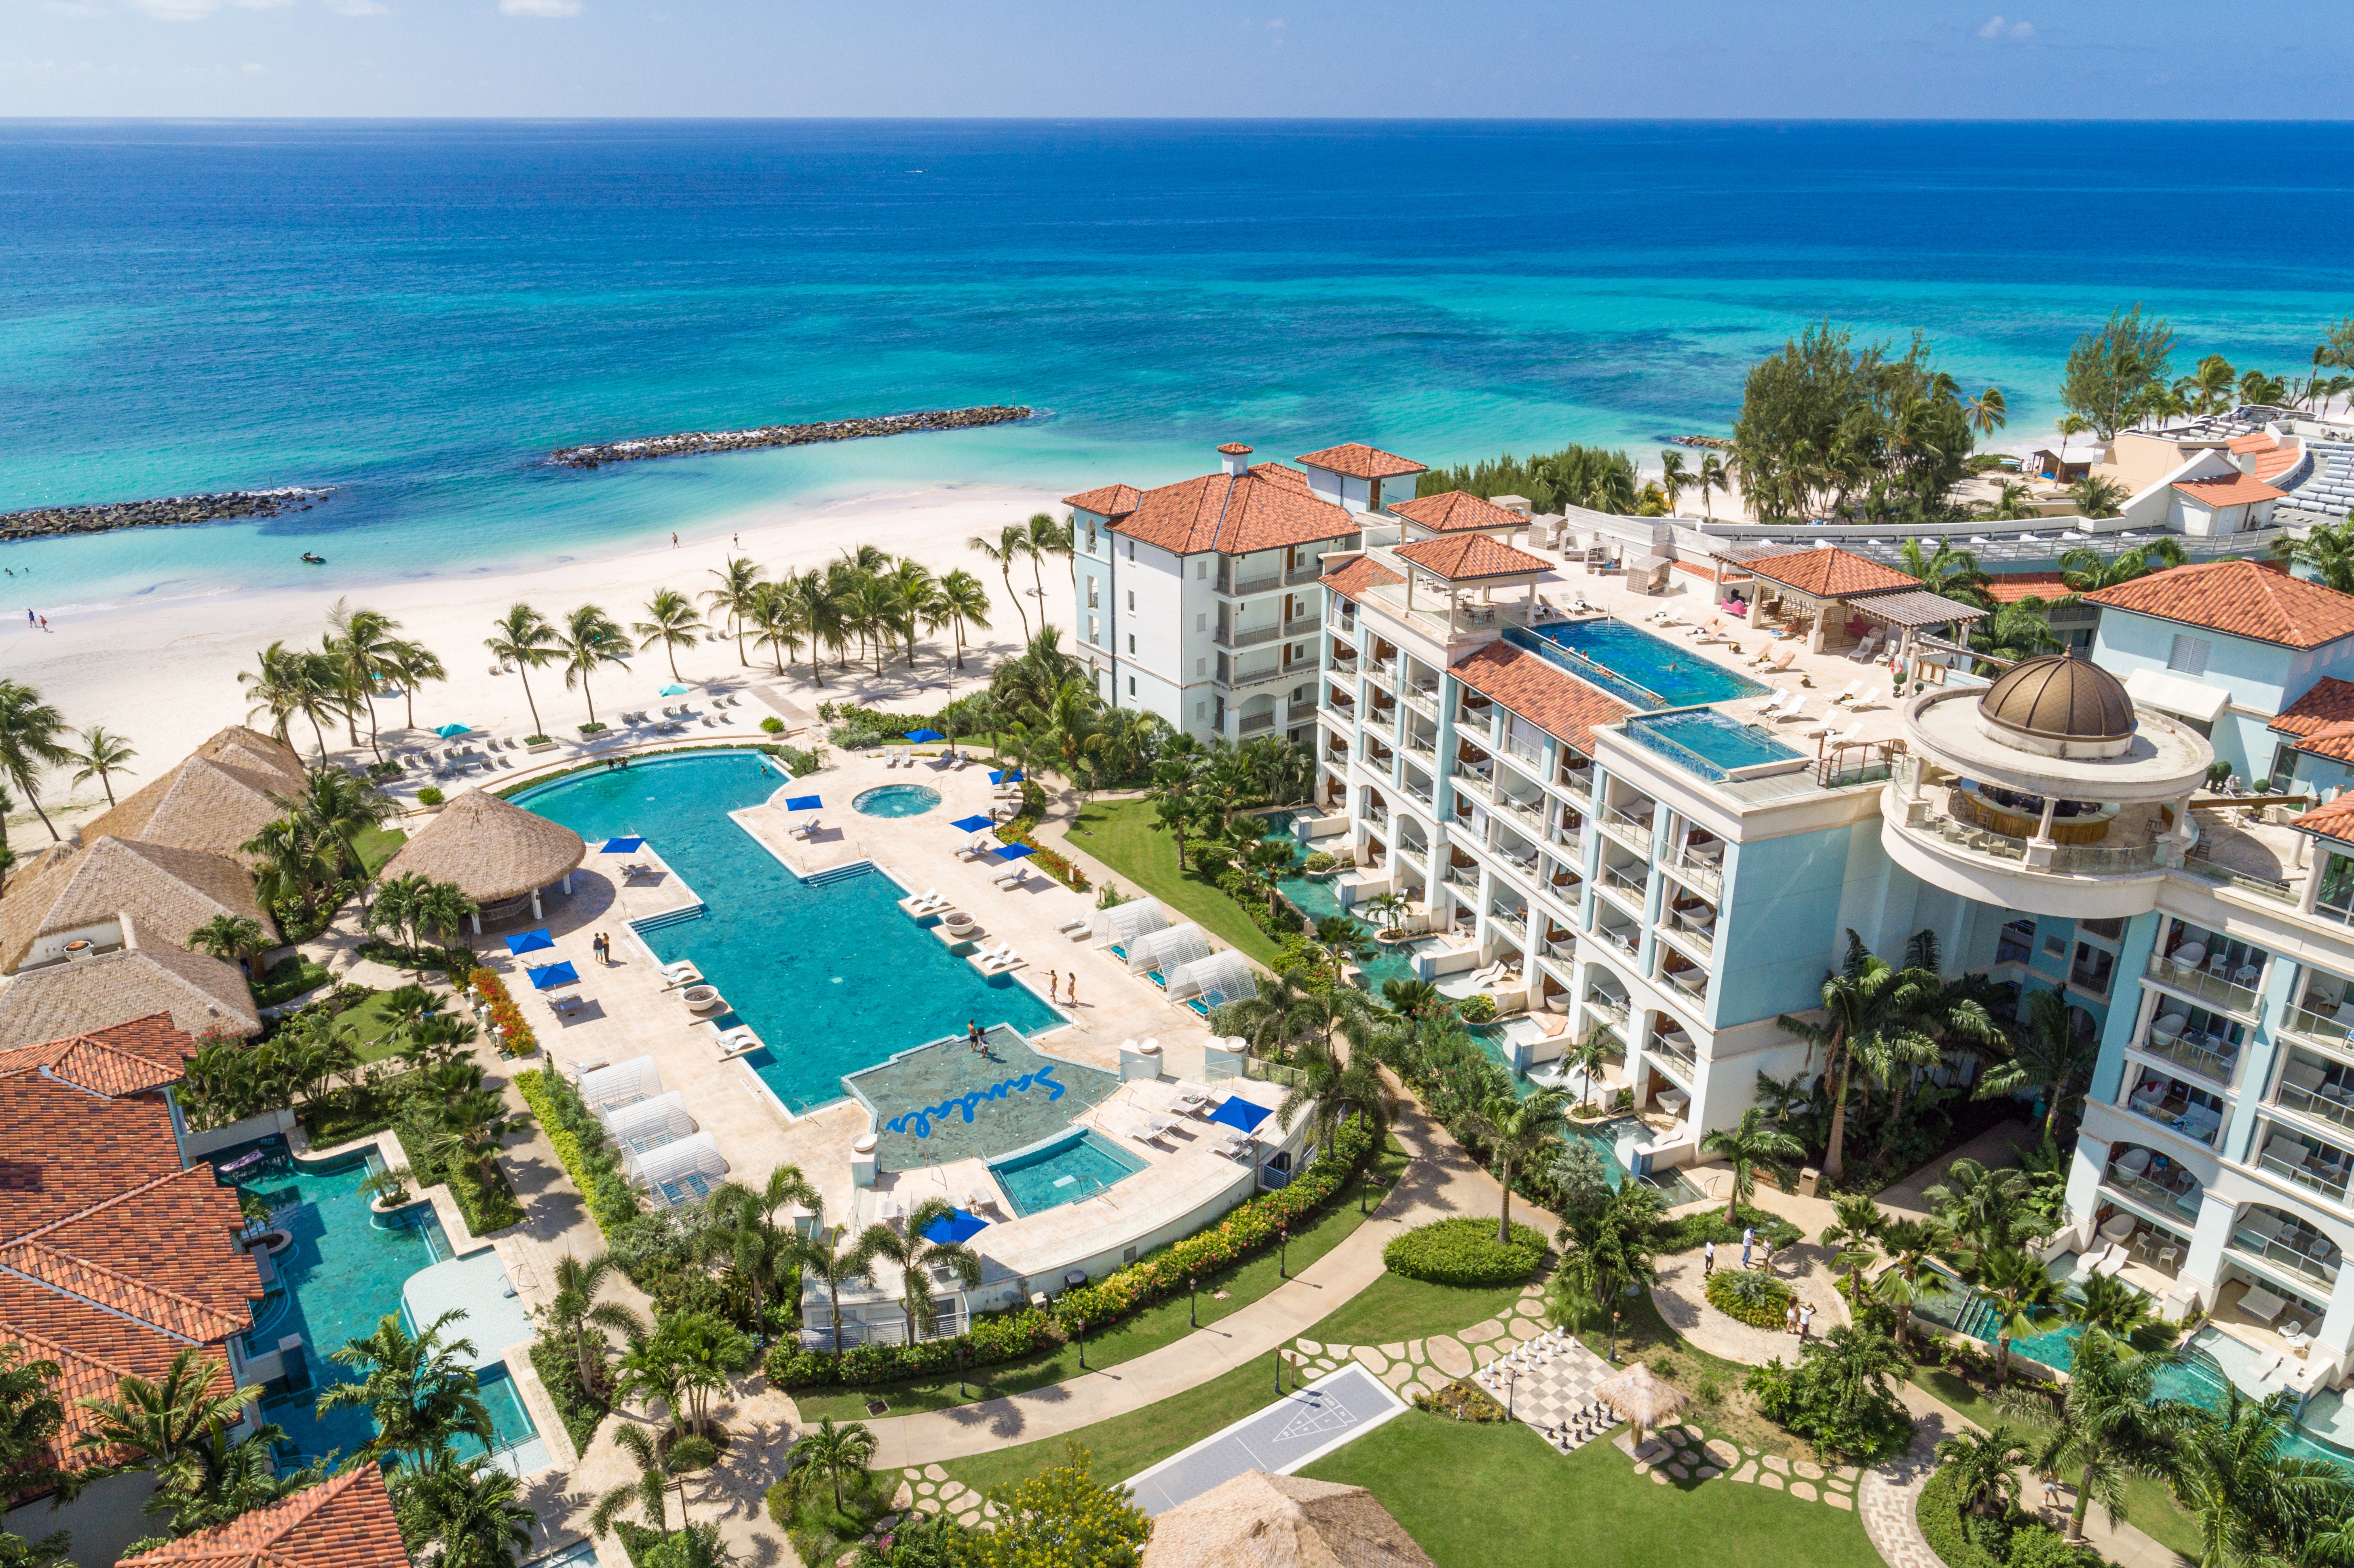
column 200, row 993
column 493, row 850
column 1641, row 1397
column 167, row 893
column 1263, row 1520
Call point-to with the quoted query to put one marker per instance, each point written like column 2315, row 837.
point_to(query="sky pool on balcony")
column 1633, row 666
column 831, row 975
column 1712, row 744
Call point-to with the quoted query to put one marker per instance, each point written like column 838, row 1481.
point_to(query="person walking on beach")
column 674, row 541
column 1707, row 1259
column 1748, row 1239
column 1075, row 988
column 1054, row 984
column 45, row 623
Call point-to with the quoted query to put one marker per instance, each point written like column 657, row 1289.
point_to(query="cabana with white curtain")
column 646, row 1125
column 680, row 1173
column 1213, row 981
column 621, row 1083
column 1157, row 952
column 1123, row 923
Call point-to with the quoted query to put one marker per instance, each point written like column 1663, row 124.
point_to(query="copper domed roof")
column 2059, row 697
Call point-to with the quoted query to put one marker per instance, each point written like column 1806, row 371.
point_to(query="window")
column 2092, row 969
column 1201, row 621
column 2016, row 942
column 1132, row 685
column 1094, row 594
column 2188, row 656
column 2055, row 947
column 1095, row 629
column 1201, row 667
column 1091, row 538
column 2107, row 931
column 1131, row 598
column 1201, row 709
column 1131, row 549
column 1132, row 641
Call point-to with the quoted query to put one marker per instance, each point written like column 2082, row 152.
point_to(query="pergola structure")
column 1834, row 588
column 1459, row 562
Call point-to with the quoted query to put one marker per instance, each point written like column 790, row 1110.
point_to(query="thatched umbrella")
column 499, row 853
column 1640, row 1398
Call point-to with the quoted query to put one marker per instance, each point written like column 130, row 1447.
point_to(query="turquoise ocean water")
column 414, row 313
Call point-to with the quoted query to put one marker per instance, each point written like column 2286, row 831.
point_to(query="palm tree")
column 2084, row 571
column 1337, row 1089
column 2016, row 630
column 1864, row 996
column 334, row 809
column 1608, row 1251
column 420, row 1390
column 1948, row 571
column 1044, row 537
column 1010, row 546
column 1673, row 475
column 164, row 1424
column 231, row 938
column 1987, row 412
column 2209, row 388
column 659, row 1467
column 102, row 757
column 670, row 620
column 2023, row 1297
column 290, row 864
column 743, row 1233
column 29, row 743
column 966, row 603
column 2071, row 425
column 769, row 613
column 2126, row 1316
column 2046, row 1054
column 472, row 1509
column 689, row 1357
column 2097, row 495
column 2013, row 503
column 290, row 683
column 918, row 1255
column 739, row 582
column 833, row 1453
column 1712, row 476
column 590, row 639
column 821, row 1254
column 1985, row 1468
column 2248, row 1496
column 362, row 645
column 1914, row 1248
column 1519, row 1130
column 814, row 607
column 522, row 636
column 2328, row 549
column 1747, row 1147
column 2111, row 1425
column 1984, row 1208
column 445, row 906
column 473, row 1127
column 575, row 1318
column 413, row 664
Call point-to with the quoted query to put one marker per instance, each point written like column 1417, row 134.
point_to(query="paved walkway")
column 1804, row 1267
column 1891, row 1491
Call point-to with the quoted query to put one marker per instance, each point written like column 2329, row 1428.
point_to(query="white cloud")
column 544, row 10
column 357, row 8
column 2002, row 29
column 252, row 68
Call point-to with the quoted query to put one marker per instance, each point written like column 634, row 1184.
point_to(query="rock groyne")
column 44, row 521
column 689, row 442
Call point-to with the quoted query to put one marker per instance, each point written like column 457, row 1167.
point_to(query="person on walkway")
column 1707, row 1259
column 972, row 1033
column 1805, row 1322
column 1790, row 1319
column 2052, row 1492
column 1075, row 988
column 1054, row 984
column 1748, row 1240
column 1765, row 1255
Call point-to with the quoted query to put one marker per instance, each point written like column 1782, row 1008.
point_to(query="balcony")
column 1631, row 827
column 1635, row 882
column 2192, row 1113
column 2326, row 1026
column 1695, row 928
column 1621, row 935
column 1576, row 782
column 1422, row 702
column 2156, row 1181
column 1691, row 981
column 2285, row 1243
column 1385, row 671
column 1516, row 927
column 1298, row 713
column 1676, row 1046
column 1472, row 783
column 1230, row 636
column 1418, row 793
column 2233, row 988
column 2211, row 1053
column 2306, row 1160
column 1530, row 811
column 1251, row 724
column 1306, row 573
column 1423, row 746
column 1610, row 1002
column 1259, row 579
column 1701, row 867
column 1466, row 877
column 2327, row 1103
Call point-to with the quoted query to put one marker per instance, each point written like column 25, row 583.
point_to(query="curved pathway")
column 1805, row 1268
column 1440, row 1181
column 1891, row 1492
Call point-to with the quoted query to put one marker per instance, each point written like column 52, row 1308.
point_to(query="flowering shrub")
column 515, row 1038
column 1055, row 866
column 1465, row 1252
column 1757, row 1300
column 1251, row 1228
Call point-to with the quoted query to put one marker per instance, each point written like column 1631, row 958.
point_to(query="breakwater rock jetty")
column 787, row 435
column 43, row 522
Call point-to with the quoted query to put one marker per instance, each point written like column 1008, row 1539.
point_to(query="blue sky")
column 1670, row 59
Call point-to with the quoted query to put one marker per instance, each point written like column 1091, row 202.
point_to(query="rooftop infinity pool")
column 1704, row 741
column 1077, row 1166
column 1633, row 666
column 831, row 975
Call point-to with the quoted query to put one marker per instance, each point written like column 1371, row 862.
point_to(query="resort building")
column 346, row 1522
column 199, row 994
column 1201, row 600
column 116, row 1251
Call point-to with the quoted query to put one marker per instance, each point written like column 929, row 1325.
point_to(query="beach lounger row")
column 928, row 901
column 997, row 960
column 680, row 973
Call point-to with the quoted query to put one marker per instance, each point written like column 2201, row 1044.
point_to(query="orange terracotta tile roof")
column 346, row 1522
column 2335, row 820
column 2326, row 702
column 1235, row 448
column 2240, row 599
column 1235, row 513
column 1457, row 510
column 1549, row 697
column 2227, row 490
column 92, row 1062
column 2009, row 587
column 2274, row 456
column 1363, row 572
column 1831, row 573
column 1359, row 461
column 1110, row 500
column 1465, row 557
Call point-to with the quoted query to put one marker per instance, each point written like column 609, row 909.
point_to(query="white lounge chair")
column 1777, row 705
column 1013, row 880
column 1069, row 927
column 1795, row 710
column 1003, row 959
column 981, row 845
column 1863, row 650
column 680, row 973
column 1855, row 689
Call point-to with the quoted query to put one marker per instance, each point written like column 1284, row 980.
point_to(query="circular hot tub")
column 896, row 801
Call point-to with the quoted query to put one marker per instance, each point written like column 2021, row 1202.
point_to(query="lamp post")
column 960, row 1392
column 1080, row 1325
column 1283, row 1249
column 1614, row 1333
column 1193, row 1314
column 1279, row 1369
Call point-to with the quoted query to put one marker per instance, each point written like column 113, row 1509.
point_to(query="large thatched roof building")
column 1263, row 1520
column 502, row 855
column 202, row 994
column 214, row 800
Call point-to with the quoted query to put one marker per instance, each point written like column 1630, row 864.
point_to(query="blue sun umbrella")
column 1239, row 1113
column 921, row 735
column 954, row 1226
column 803, row 804
column 621, row 846
column 1013, row 776
column 1015, row 851
column 452, row 731
column 673, row 690
column 530, row 941
column 974, row 824
column 547, row 977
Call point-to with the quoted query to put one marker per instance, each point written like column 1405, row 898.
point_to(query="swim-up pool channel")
column 831, row 974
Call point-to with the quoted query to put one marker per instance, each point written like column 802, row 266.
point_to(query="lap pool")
column 831, row 975
column 1633, row 666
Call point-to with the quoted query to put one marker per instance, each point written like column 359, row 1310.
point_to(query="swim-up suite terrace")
column 799, row 969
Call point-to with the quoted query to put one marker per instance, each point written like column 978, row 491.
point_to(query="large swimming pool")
column 833, row 976
column 1633, row 666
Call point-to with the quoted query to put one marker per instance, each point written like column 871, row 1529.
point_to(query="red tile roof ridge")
column 1456, row 510
column 1362, row 572
column 2256, row 441
column 157, row 1306
column 2240, row 599
column 1262, row 508
column 1462, row 557
column 2333, row 821
column 86, row 1064
column 1110, row 500
column 1358, row 461
column 2326, row 702
column 1540, row 691
column 346, row 1522
column 1829, row 572
column 2230, row 490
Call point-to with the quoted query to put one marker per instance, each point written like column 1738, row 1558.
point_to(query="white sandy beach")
column 165, row 676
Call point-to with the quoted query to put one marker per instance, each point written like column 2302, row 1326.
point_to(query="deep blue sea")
column 414, row 312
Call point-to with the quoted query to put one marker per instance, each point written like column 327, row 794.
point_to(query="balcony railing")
column 2314, row 1103
column 1615, row 1009
column 1421, row 795
column 1625, row 938
column 2281, row 1255
column 1575, row 781
column 1259, row 582
column 1529, row 811
column 1466, row 877
column 1637, row 885
column 2323, row 1028
column 2071, row 860
column 1675, row 1048
column 2156, row 1194
column 2198, row 981
column 1473, row 783
column 1703, row 938
column 1229, row 637
column 1693, row 983
column 1516, row 927
column 1298, row 713
column 2197, row 1132
column 1300, row 625
column 2209, row 1061
column 1307, row 573
column 1252, row 722
column 1706, row 876
column 1632, row 831
column 1420, row 701
column 1423, row 746
column 2329, row 1181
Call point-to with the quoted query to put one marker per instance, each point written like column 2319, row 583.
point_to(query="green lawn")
column 1147, row 1330
column 370, row 1028
column 1472, row 1495
column 377, row 845
column 1388, row 1309
column 2149, row 1506
column 1125, row 836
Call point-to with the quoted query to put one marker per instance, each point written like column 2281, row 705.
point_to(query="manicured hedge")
column 1940, row 1518
column 563, row 1116
column 515, row 1038
column 1759, row 1300
column 1711, row 1225
column 1251, row 1228
column 1465, row 1252
column 582, row 1412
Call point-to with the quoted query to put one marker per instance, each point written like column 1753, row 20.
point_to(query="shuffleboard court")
column 1297, row 1429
